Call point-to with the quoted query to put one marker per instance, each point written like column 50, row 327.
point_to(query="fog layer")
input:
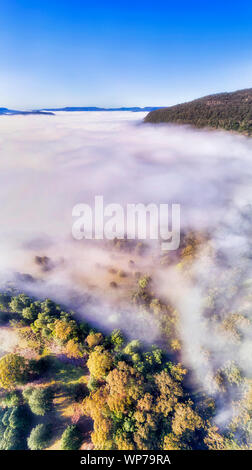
column 50, row 163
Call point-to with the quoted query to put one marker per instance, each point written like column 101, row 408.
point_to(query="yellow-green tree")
column 99, row 362
column 13, row 369
column 64, row 330
column 73, row 349
column 96, row 406
column 93, row 339
column 169, row 393
column 171, row 442
column 185, row 419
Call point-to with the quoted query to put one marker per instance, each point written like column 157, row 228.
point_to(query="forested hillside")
column 230, row 111
column 66, row 372
column 67, row 385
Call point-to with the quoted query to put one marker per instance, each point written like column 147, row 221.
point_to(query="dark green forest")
column 229, row 111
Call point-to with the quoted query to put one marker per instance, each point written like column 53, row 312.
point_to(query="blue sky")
column 112, row 53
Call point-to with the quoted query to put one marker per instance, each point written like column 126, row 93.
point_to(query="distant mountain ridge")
column 50, row 111
column 94, row 108
column 230, row 111
column 7, row 111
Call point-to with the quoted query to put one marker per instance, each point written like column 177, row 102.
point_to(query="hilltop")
column 230, row 111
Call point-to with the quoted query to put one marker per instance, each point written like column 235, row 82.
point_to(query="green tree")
column 71, row 438
column 11, row 399
column 40, row 437
column 5, row 418
column 117, row 339
column 133, row 347
column 12, row 439
column 40, row 400
column 19, row 418
column 13, row 428
column 19, row 302
column 31, row 312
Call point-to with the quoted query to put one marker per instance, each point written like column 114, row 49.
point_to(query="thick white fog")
column 50, row 163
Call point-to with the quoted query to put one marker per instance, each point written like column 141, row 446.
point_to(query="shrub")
column 144, row 282
column 93, row 384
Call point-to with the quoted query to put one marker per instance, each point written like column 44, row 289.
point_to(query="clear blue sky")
column 111, row 53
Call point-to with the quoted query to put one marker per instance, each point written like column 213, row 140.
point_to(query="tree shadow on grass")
column 62, row 372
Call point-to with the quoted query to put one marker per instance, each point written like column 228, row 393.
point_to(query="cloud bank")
column 50, row 163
